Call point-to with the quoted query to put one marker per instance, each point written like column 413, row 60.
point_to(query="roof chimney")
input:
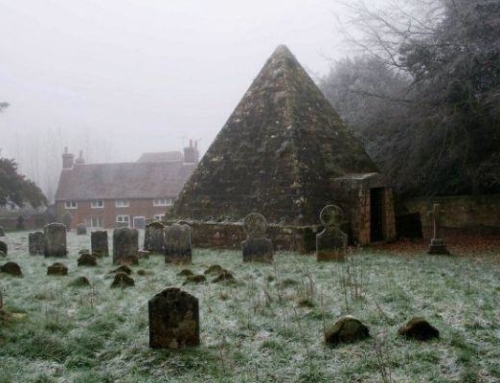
column 67, row 159
column 80, row 160
column 191, row 154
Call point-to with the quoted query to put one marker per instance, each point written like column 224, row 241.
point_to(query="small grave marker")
column 55, row 240
column 99, row 242
column 174, row 320
column 331, row 243
column 154, row 240
column 257, row 247
column 178, row 248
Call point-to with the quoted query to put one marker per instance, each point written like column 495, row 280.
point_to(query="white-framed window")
column 94, row 222
column 158, row 217
column 122, row 218
column 99, row 204
column 71, row 205
column 122, row 203
column 163, row 202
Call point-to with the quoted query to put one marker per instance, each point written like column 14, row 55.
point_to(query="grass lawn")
column 267, row 327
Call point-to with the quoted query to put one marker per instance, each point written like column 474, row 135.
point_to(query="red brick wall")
column 137, row 207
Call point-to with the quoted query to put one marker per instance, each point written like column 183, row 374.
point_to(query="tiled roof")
column 161, row 157
column 123, row 180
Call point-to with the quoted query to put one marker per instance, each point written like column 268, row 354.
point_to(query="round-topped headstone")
column 255, row 225
column 331, row 215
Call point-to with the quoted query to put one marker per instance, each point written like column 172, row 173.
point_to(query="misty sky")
column 145, row 75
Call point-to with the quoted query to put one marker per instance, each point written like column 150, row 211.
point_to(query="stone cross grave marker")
column 437, row 245
column 154, row 240
column 99, row 243
column 174, row 320
column 55, row 240
column 257, row 247
column 36, row 243
column 178, row 248
column 331, row 243
column 125, row 244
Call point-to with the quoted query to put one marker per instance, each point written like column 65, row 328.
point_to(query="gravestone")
column 331, row 243
column 154, row 237
column 11, row 268
column 122, row 280
column 125, row 244
column 437, row 245
column 55, row 240
column 66, row 220
column 20, row 223
column 36, row 243
column 418, row 329
column 2, row 232
column 99, row 242
column 81, row 229
column 174, row 320
column 178, row 244
column 4, row 248
column 257, row 247
column 346, row 330
column 87, row 259
column 57, row 269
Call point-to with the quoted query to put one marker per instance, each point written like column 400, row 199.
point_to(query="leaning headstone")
column 418, row 329
column 11, row 268
column 2, row 232
column 36, row 243
column 125, row 244
column 81, row 229
column 154, row 237
column 437, row 245
column 346, row 330
column 99, row 242
column 257, row 247
column 4, row 247
column 57, row 269
column 178, row 244
column 55, row 240
column 66, row 219
column 331, row 243
column 174, row 320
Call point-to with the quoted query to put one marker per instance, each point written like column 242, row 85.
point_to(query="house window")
column 97, row 204
column 123, row 218
column 122, row 203
column 71, row 205
column 163, row 202
column 158, row 217
column 94, row 222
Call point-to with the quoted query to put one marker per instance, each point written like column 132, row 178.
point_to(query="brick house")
column 122, row 194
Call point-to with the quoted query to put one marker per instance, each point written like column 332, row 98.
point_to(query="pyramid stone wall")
column 277, row 154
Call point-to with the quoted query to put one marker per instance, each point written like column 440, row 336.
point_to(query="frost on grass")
column 268, row 326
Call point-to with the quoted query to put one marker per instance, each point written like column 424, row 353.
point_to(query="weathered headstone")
column 346, row 330
column 99, row 242
column 66, row 219
column 418, row 329
column 81, row 229
column 57, row 269
column 87, row 259
column 154, row 237
column 437, row 245
column 2, row 232
column 4, row 248
column 125, row 244
column 36, row 243
column 122, row 280
column 55, row 240
column 174, row 320
column 178, row 244
column 11, row 268
column 331, row 243
column 257, row 247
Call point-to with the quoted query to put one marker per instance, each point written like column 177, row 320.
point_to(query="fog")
column 117, row 78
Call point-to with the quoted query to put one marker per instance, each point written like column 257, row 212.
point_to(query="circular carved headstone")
column 331, row 215
column 255, row 225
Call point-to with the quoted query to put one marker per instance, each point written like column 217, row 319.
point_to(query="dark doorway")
column 377, row 214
